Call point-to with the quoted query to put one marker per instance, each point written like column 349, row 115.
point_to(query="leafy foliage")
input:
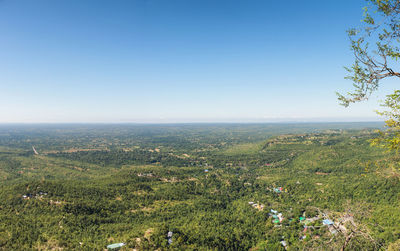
column 390, row 139
column 72, row 199
column 372, row 64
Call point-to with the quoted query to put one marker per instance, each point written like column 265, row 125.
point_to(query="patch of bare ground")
column 172, row 180
column 56, row 202
column 77, row 168
column 49, row 245
column 148, row 233
column 140, row 192
column 75, row 150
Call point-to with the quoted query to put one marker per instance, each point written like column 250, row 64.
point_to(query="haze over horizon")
column 214, row 121
column 178, row 61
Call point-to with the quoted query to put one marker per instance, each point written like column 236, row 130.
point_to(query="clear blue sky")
column 177, row 61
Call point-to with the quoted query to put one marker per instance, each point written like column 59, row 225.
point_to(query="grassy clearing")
column 244, row 149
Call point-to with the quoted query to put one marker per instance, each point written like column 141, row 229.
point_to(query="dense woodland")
column 213, row 186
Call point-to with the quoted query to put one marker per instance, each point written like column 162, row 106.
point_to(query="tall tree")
column 376, row 47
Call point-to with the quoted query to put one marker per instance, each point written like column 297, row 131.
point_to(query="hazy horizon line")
column 189, row 122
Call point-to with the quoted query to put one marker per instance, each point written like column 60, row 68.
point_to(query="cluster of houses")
column 277, row 190
column 145, row 175
column 325, row 222
column 38, row 195
column 276, row 217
